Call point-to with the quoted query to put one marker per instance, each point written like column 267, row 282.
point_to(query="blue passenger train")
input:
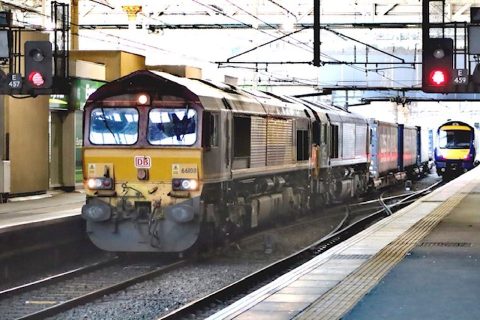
column 455, row 151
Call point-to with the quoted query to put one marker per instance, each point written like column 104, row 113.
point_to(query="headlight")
column 181, row 213
column 184, row 184
column 100, row 183
column 96, row 211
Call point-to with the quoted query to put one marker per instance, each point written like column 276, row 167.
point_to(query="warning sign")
column 91, row 169
column 96, row 170
column 175, row 169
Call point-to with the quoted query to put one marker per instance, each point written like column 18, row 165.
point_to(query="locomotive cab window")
column 316, row 132
column 210, row 130
column 324, row 134
column 302, row 145
column 114, row 126
column 334, row 142
column 172, row 126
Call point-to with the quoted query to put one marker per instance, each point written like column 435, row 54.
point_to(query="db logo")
column 143, row 162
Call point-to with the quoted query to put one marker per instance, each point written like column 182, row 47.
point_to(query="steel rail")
column 72, row 303
column 279, row 267
column 376, row 200
column 57, row 278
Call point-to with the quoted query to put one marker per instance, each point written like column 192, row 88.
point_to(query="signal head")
column 38, row 64
column 437, row 65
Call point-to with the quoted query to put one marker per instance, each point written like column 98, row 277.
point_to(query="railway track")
column 65, row 291
column 50, row 296
column 208, row 305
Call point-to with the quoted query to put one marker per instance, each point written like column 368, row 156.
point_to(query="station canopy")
column 265, row 43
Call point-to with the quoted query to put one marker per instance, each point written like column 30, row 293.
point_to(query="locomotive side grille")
column 279, row 142
column 360, row 140
column 259, row 142
column 348, row 135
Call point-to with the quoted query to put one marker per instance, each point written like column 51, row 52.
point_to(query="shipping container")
column 383, row 147
column 407, row 146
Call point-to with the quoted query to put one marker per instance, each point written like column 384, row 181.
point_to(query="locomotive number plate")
column 143, row 162
column 185, row 170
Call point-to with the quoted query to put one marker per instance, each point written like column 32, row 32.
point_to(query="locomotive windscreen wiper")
column 107, row 126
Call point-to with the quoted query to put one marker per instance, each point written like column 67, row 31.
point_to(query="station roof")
column 365, row 45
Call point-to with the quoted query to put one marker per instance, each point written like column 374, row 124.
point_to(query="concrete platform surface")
column 20, row 212
column 439, row 279
column 420, row 263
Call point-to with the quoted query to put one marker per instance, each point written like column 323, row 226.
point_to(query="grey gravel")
column 151, row 299
column 160, row 296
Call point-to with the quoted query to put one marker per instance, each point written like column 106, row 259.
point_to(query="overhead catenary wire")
column 141, row 46
column 310, row 48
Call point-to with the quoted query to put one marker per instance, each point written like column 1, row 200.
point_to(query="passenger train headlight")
column 100, row 183
column 184, row 184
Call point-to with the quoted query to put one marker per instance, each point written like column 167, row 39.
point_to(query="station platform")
column 422, row 262
column 33, row 211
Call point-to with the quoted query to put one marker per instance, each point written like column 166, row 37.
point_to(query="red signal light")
column 438, row 77
column 36, row 78
column 437, row 65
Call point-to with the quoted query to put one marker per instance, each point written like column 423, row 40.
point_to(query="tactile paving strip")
column 340, row 299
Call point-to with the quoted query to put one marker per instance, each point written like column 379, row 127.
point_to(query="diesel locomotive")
column 170, row 163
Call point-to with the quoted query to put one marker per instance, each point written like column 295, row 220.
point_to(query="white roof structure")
column 264, row 43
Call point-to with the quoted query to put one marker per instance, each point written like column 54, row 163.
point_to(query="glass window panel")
column 118, row 126
column 454, row 139
column 172, row 126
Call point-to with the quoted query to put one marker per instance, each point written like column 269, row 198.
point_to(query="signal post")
column 24, row 135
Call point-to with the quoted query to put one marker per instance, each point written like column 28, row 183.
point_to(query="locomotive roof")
column 212, row 96
column 216, row 96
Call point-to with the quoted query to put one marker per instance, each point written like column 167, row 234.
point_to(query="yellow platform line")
column 339, row 300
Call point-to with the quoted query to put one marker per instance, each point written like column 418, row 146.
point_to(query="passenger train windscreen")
column 454, row 139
